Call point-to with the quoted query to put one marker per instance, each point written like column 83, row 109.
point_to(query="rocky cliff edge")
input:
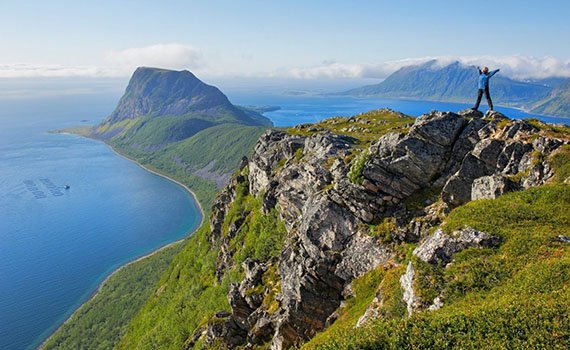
column 347, row 200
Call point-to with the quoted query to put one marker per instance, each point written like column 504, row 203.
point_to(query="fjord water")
column 57, row 245
column 312, row 108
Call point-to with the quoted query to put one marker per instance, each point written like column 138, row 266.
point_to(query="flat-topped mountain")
column 455, row 82
column 160, row 92
column 174, row 122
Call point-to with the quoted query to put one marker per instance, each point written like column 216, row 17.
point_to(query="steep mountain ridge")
column 160, row 92
column 318, row 208
column 173, row 122
column 455, row 82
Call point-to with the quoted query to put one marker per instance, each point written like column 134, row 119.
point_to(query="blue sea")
column 312, row 108
column 57, row 245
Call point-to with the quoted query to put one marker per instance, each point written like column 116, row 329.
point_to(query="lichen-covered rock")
column 372, row 311
column 470, row 113
column 225, row 331
column 221, row 206
column 457, row 189
column 519, row 129
column 440, row 247
column 273, row 146
column 437, row 304
column 512, row 150
column 403, row 164
column 495, row 115
column 490, row 187
column 407, row 285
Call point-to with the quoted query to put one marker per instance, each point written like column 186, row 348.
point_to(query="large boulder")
column 490, row 187
column 440, row 247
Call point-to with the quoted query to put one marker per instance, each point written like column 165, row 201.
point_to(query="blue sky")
column 300, row 39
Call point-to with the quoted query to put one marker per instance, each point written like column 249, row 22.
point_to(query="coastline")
column 159, row 249
column 102, row 283
column 155, row 172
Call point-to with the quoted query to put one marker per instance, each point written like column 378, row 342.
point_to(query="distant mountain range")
column 457, row 82
column 170, row 120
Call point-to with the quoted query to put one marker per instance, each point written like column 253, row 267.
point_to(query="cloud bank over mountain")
column 515, row 66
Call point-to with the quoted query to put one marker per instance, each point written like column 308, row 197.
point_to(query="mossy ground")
column 364, row 128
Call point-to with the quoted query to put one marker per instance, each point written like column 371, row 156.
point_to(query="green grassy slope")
column 189, row 294
column 156, row 132
column 558, row 104
column 515, row 296
column 222, row 145
column 100, row 323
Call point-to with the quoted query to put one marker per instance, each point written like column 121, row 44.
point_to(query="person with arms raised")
column 484, row 76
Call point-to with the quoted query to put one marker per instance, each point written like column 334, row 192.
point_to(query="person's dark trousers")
column 487, row 95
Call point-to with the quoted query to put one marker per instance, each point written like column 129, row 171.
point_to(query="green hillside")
column 513, row 295
column 558, row 104
column 516, row 294
column 175, row 124
column 205, row 161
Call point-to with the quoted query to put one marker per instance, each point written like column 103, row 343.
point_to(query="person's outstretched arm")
column 493, row 72
column 479, row 70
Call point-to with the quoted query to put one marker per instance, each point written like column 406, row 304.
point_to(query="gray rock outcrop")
column 490, row 187
column 305, row 177
column 407, row 284
column 440, row 247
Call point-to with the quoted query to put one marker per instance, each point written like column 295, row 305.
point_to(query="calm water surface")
column 309, row 109
column 57, row 245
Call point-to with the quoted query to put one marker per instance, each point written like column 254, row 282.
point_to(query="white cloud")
column 118, row 63
column 27, row 70
column 122, row 63
column 332, row 70
column 522, row 67
column 516, row 66
column 170, row 56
